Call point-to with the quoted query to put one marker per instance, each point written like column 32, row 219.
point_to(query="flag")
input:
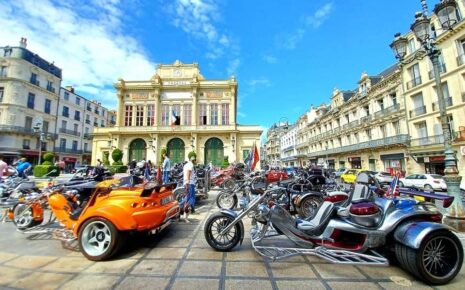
column 176, row 119
column 393, row 189
column 159, row 175
column 255, row 157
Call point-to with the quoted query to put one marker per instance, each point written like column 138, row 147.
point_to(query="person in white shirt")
column 189, row 180
column 166, row 168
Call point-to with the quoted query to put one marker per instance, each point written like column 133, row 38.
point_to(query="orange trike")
column 100, row 215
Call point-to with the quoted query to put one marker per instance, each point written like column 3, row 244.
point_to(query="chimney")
column 23, row 42
column 70, row 88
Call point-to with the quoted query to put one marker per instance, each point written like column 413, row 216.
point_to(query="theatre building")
column 179, row 110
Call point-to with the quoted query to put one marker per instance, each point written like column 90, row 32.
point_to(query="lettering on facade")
column 212, row 94
column 139, row 96
column 176, row 83
column 176, row 95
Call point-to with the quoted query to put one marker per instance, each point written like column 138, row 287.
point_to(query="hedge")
column 224, row 163
column 117, row 155
column 117, row 168
column 41, row 170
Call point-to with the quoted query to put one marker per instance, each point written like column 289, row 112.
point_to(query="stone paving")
column 180, row 258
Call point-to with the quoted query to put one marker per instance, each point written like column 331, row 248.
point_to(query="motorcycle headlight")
column 262, row 214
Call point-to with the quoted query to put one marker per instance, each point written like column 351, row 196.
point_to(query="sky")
column 286, row 55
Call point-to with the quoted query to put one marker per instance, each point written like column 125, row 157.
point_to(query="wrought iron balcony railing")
column 417, row 111
column 414, row 82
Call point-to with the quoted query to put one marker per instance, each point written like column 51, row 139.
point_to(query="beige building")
column 273, row 143
column 179, row 110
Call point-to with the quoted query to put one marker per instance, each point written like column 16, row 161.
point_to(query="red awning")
column 29, row 153
column 69, row 159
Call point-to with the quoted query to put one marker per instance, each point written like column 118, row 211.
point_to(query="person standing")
column 23, row 168
column 166, row 168
column 189, row 180
column 3, row 168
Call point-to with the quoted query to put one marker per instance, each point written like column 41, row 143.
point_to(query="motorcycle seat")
column 317, row 224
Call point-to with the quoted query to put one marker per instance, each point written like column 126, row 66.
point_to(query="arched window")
column 137, row 150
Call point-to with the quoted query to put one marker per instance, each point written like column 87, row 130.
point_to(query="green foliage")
column 48, row 158
column 117, row 155
column 117, row 168
column 162, row 152
column 225, row 162
column 192, row 153
column 106, row 158
column 41, row 170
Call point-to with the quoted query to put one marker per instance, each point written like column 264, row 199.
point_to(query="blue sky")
column 286, row 55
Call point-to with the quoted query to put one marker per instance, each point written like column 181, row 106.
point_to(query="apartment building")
column 29, row 88
column 288, row 147
column 179, row 110
column 273, row 143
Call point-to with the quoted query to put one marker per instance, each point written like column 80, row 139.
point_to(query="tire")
column 428, row 187
column 442, row 245
column 23, row 217
column 309, row 206
column 213, row 227
column 226, row 200
column 401, row 184
column 179, row 193
column 98, row 239
column 228, row 184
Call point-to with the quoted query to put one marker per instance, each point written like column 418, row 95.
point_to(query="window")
column 28, row 123
column 213, row 114
column 7, row 52
column 393, row 98
column 347, row 118
column 128, row 116
column 26, row 144
column 65, row 111
column 102, row 123
column 396, row 127
column 50, row 86
column 203, row 114
column 45, row 125
column 103, row 113
column 86, row 130
column 366, row 109
column 139, row 115
column 78, row 101
column 382, row 130
column 450, row 122
column 2, row 90
column 225, row 114
column 176, row 115
column 48, row 104
column 75, row 145
column 66, row 96
column 30, row 100
column 86, row 147
column 415, row 77
column 165, row 115
column 87, row 119
column 150, row 115
column 368, row 134
column 187, row 120
column 3, row 71
column 76, row 126
column 77, row 115
column 64, row 124
column 34, row 79
column 380, row 103
column 95, row 121
column 62, row 143
column 422, row 130
column 411, row 45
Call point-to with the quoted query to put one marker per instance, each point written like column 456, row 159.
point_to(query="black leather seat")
column 317, row 225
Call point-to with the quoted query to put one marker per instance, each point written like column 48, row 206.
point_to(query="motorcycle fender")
column 303, row 196
column 411, row 234
column 234, row 215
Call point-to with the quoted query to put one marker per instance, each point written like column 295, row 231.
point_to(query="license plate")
column 167, row 199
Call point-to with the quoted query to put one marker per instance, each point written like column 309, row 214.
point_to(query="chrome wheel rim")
column 440, row 257
column 217, row 227
column 309, row 207
column 226, row 200
column 96, row 238
column 229, row 184
column 23, row 217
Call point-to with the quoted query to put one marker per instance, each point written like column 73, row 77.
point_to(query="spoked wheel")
column 98, row 239
column 228, row 184
column 437, row 261
column 23, row 216
column 309, row 207
column 222, row 242
column 226, row 200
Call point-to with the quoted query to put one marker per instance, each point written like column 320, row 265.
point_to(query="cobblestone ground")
column 180, row 258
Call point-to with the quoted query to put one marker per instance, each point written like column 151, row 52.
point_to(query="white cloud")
column 260, row 81
column 320, row 15
column 270, row 58
column 86, row 41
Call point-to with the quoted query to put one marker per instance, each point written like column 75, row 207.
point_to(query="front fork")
column 251, row 207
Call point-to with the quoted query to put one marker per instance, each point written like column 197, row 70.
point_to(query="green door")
column 176, row 151
column 214, row 151
column 137, row 150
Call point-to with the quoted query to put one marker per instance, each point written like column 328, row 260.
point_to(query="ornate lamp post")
column 446, row 13
column 41, row 136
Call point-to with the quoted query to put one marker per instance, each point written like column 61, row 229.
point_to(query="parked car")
column 384, row 177
column 350, row 175
column 339, row 172
column 427, row 182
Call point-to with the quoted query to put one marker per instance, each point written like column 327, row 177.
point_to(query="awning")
column 395, row 156
column 69, row 159
column 354, row 159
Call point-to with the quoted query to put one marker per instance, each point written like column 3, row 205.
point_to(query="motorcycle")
column 358, row 232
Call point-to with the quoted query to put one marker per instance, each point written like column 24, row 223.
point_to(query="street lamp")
column 38, row 130
column 446, row 12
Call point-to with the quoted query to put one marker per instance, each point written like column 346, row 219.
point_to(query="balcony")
column 77, row 118
column 431, row 140
column 89, row 109
column 417, row 111
column 399, row 139
column 365, row 119
column 67, row 150
column 413, row 83
column 387, row 111
column 96, row 111
column 95, row 124
column 87, row 136
column 16, row 129
column 51, row 89
column 70, row 132
column 65, row 114
column 447, row 103
column 35, row 82
column 442, row 69
column 460, row 59
column 88, row 122
column 87, row 151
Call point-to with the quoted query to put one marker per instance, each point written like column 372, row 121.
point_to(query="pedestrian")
column 189, row 180
column 166, row 168
column 3, row 168
column 23, row 168
column 99, row 163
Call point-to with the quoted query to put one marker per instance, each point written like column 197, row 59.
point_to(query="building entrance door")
column 176, row 150
column 137, row 150
column 214, row 151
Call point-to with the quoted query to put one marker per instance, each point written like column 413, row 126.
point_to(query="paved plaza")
column 180, row 258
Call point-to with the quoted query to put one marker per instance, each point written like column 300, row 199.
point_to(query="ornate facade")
column 179, row 110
